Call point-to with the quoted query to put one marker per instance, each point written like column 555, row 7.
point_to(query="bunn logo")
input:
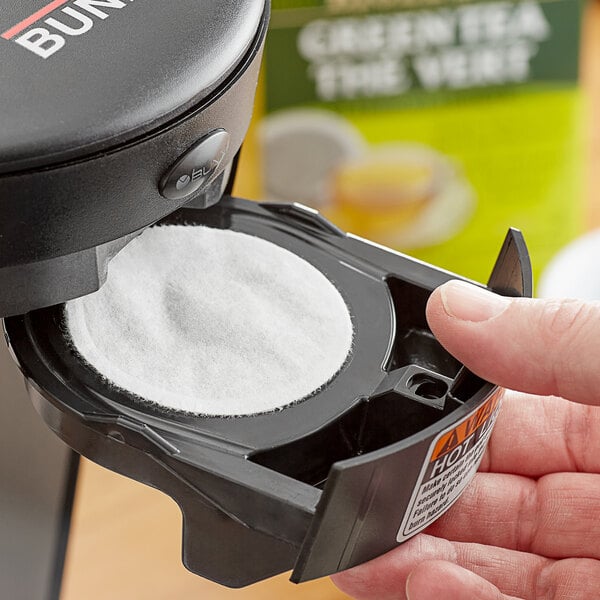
column 71, row 21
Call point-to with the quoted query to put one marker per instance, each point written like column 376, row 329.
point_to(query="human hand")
column 528, row 526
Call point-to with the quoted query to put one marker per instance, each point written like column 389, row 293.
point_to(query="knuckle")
column 527, row 523
column 563, row 328
column 567, row 578
column 578, row 436
column 561, row 317
column 544, row 581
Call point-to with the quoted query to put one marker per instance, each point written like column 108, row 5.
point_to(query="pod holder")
column 322, row 485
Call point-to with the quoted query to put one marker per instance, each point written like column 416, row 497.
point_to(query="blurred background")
column 428, row 130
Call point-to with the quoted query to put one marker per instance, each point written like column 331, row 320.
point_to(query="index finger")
column 535, row 436
column 547, row 347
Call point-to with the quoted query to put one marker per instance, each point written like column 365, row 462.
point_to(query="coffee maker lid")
column 78, row 77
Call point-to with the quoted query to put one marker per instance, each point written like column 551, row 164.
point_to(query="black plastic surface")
column 59, row 225
column 373, row 480
column 138, row 67
column 320, row 485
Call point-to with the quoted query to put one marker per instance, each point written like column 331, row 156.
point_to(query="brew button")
column 197, row 167
column 183, row 181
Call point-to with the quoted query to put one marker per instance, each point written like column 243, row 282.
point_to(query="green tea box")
column 428, row 126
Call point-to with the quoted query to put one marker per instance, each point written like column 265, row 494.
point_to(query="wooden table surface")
column 126, row 544
column 125, row 540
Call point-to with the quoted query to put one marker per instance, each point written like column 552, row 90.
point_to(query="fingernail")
column 406, row 588
column 468, row 302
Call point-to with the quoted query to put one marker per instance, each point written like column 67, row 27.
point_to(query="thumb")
column 547, row 347
column 439, row 579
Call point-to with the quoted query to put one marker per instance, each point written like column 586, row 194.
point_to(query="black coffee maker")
column 118, row 115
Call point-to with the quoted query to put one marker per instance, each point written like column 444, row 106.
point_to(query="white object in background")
column 575, row 271
column 302, row 147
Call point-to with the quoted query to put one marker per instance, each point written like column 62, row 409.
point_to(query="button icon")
column 183, row 182
column 197, row 168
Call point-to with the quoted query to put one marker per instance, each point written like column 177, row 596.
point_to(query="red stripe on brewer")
column 34, row 18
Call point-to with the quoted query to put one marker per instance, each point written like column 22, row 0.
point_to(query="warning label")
column 452, row 461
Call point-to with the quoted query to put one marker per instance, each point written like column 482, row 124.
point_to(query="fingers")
column 535, row 436
column 557, row 516
column 439, row 579
column 517, row 574
column 547, row 347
